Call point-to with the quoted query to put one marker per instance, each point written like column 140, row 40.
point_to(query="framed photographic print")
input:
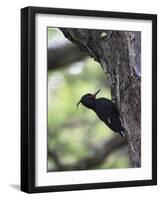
column 88, row 99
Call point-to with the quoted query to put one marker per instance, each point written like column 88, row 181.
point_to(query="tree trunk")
column 118, row 52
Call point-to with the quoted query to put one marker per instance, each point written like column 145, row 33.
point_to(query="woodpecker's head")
column 88, row 100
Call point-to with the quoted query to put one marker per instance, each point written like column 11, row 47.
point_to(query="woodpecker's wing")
column 107, row 112
column 107, row 106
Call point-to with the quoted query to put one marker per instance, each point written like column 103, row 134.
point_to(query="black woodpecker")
column 106, row 110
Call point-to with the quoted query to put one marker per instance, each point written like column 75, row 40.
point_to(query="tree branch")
column 64, row 54
column 98, row 157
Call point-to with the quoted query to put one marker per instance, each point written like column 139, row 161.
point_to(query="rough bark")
column 118, row 52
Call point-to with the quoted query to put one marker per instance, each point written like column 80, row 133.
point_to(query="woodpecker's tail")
column 123, row 133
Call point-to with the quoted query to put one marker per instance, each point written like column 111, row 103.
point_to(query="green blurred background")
column 74, row 135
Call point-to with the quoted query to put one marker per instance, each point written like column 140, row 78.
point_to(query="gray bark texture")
column 119, row 53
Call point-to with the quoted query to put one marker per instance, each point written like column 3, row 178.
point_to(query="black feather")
column 106, row 110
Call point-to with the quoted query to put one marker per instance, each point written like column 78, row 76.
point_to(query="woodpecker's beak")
column 95, row 94
column 78, row 103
